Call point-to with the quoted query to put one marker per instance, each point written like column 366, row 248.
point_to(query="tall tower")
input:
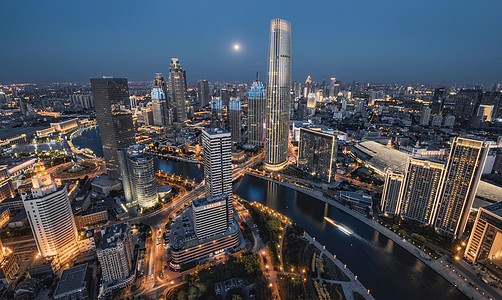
column 203, row 93
column 51, row 220
column 111, row 99
column 217, row 148
column 159, row 102
column 235, row 119
column 278, row 95
column 257, row 105
column 178, row 91
column 459, row 186
column 138, row 176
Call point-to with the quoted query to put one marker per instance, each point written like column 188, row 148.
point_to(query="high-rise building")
column 317, row 153
column 485, row 113
column 217, row 149
column 115, row 252
column 178, row 91
column 51, row 220
column 235, row 119
column 420, row 189
column 391, row 194
column 159, row 102
column 6, row 189
column 257, row 106
column 138, row 176
column 460, row 183
column 111, row 99
column 425, row 116
column 210, row 216
column 485, row 241
column 203, row 92
column 217, row 112
column 8, row 265
column 278, row 95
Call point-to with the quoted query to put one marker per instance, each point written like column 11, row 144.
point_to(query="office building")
column 111, row 99
column 485, row 113
column 449, row 121
column 8, row 265
column 159, row 102
column 420, row 189
column 217, row 149
column 73, row 284
column 278, row 95
column 51, row 220
column 425, row 116
column 210, row 216
column 217, row 113
column 257, row 105
column 317, row 153
column 115, row 252
column 204, row 230
column 178, row 91
column 460, row 183
column 485, row 242
column 203, row 93
column 235, row 119
column 138, row 176
column 391, row 194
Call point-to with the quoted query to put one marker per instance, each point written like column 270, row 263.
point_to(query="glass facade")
column 235, row 119
column 178, row 91
column 256, row 114
column 278, row 95
column 317, row 154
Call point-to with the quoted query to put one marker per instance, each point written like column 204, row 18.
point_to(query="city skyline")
column 391, row 42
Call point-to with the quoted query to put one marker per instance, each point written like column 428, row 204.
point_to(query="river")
column 389, row 271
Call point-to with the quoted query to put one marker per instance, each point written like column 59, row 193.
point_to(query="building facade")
column 257, row 105
column 317, row 152
column 160, row 107
column 278, row 95
column 111, row 99
column 485, row 242
column 217, row 149
column 138, row 176
column 391, row 194
column 203, row 94
column 51, row 219
column 210, row 216
column 178, row 91
column 459, row 185
column 235, row 119
column 115, row 252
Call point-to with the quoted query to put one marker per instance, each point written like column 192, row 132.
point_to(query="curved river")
column 389, row 271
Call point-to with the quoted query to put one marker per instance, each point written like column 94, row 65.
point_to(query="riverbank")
column 349, row 287
column 452, row 277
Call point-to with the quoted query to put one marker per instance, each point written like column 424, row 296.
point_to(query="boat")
column 342, row 227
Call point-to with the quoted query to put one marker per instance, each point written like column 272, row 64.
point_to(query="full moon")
column 237, row 47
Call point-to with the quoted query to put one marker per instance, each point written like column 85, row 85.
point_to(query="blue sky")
column 368, row 41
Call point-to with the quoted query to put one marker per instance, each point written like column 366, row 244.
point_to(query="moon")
column 237, row 47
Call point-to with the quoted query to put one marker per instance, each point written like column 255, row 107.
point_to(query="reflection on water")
column 389, row 271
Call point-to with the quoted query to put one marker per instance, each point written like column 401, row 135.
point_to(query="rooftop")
column 495, row 208
column 72, row 280
column 216, row 131
column 207, row 200
column 111, row 234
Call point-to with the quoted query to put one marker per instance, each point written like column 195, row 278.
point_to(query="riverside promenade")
column 349, row 287
column 460, row 281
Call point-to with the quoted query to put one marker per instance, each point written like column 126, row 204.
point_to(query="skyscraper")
column 317, row 153
column 111, row 99
column 51, row 220
column 460, row 183
column 217, row 148
column 257, row 106
column 203, row 92
column 391, row 194
column 178, row 91
column 235, row 119
column 217, row 112
column 138, row 176
column 420, row 189
column 278, row 95
column 159, row 102
column 425, row 116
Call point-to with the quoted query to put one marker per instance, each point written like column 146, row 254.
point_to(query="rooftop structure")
column 72, row 284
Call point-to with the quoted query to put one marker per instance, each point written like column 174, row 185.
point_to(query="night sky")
column 400, row 41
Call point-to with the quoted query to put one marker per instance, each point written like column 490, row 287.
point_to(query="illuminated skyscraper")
column 217, row 112
column 420, row 189
column 317, row 153
column 51, row 220
column 178, row 91
column 111, row 99
column 257, row 105
column 138, row 176
column 459, row 186
column 391, row 195
column 217, row 148
column 235, row 119
column 278, row 95
column 159, row 102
